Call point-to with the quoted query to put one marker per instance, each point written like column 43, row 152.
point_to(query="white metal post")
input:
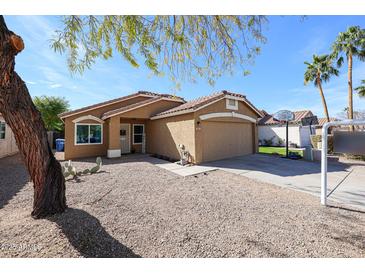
column 325, row 128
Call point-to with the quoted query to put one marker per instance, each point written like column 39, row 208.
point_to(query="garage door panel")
column 224, row 140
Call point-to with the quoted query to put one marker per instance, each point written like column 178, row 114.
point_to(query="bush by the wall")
column 355, row 157
column 269, row 142
column 315, row 139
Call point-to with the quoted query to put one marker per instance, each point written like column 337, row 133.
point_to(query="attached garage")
column 226, row 139
column 223, row 125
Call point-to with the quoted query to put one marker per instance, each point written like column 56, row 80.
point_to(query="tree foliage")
column 320, row 70
column 350, row 43
column 184, row 47
column 50, row 107
column 361, row 89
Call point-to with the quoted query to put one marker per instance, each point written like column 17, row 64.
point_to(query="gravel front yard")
column 135, row 209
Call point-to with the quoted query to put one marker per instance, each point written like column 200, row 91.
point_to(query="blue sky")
column 275, row 82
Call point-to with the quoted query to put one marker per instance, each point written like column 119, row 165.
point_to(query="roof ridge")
column 194, row 104
column 167, row 95
column 115, row 100
column 121, row 109
column 305, row 110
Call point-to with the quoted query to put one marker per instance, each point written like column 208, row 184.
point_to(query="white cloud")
column 56, row 78
column 38, row 29
column 317, row 45
column 55, row 86
column 31, row 82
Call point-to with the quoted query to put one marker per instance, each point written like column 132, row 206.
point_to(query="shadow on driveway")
column 13, row 177
column 89, row 237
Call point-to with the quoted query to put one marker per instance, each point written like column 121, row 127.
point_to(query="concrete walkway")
column 182, row 170
column 347, row 181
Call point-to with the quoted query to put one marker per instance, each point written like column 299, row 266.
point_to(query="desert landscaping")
column 132, row 208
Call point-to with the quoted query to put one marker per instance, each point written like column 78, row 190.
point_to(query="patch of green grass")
column 278, row 150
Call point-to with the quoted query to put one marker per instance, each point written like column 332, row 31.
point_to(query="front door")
column 125, row 140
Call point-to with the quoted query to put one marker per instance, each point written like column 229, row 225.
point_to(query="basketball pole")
column 287, row 139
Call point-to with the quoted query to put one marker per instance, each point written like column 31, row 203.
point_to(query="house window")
column 89, row 134
column 2, row 130
column 138, row 131
column 231, row 104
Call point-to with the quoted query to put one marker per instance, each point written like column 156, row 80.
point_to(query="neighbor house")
column 321, row 122
column 7, row 142
column 273, row 132
column 221, row 125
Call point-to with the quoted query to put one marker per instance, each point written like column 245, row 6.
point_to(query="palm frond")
column 321, row 69
column 339, row 62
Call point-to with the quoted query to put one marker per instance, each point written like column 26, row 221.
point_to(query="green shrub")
column 315, row 139
column 354, row 157
column 280, row 141
column 269, row 142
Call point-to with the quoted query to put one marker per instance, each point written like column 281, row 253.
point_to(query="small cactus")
column 94, row 169
column 70, row 170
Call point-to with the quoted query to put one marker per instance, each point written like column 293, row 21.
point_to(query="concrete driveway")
column 347, row 181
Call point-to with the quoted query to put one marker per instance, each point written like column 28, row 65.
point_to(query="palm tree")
column 361, row 89
column 320, row 70
column 351, row 43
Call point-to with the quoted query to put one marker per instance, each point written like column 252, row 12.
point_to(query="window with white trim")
column 138, row 131
column 2, row 131
column 88, row 134
column 231, row 104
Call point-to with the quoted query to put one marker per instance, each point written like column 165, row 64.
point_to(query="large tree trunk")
column 324, row 103
column 30, row 134
column 350, row 113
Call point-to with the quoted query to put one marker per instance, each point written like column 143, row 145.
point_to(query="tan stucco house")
column 221, row 125
column 7, row 141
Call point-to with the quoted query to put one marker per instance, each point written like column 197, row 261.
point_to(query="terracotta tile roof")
column 193, row 105
column 268, row 119
column 264, row 112
column 139, row 93
column 321, row 121
column 164, row 95
column 129, row 107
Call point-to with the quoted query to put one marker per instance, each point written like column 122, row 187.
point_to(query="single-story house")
column 221, row 125
column 7, row 142
column 321, row 122
column 273, row 132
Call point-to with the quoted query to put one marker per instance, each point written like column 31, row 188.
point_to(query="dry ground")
column 134, row 209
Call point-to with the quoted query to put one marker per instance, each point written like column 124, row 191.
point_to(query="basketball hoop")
column 285, row 116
